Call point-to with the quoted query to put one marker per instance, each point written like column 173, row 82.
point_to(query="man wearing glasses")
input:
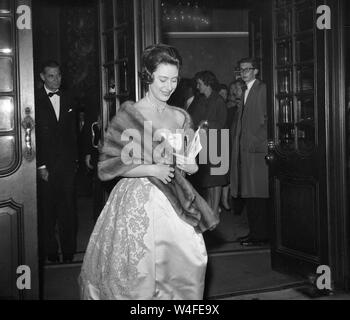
column 249, row 172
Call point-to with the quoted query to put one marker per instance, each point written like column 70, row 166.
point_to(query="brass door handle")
column 269, row 158
column 28, row 125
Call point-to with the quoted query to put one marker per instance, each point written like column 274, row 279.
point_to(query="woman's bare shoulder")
column 182, row 117
column 179, row 115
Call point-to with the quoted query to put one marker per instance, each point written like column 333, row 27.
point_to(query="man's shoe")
column 243, row 238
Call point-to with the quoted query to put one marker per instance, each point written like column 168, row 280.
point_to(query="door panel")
column 298, row 207
column 297, row 147
column 117, row 55
column 18, row 220
column 126, row 28
column 293, row 63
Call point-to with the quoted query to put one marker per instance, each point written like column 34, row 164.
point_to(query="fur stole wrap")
column 126, row 133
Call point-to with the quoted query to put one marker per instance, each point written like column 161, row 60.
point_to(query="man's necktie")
column 51, row 94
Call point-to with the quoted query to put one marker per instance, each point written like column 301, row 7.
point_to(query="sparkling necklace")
column 159, row 107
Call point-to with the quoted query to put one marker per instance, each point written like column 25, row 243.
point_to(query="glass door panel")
column 120, row 11
column 304, row 49
column 5, row 6
column 284, row 78
column 108, row 18
column 284, row 27
column 123, row 77
column 285, row 124
column 305, row 79
column 8, row 152
column 117, row 54
column 305, row 109
column 111, row 85
column 295, row 75
column 7, row 114
column 286, row 111
column 122, row 44
column 304, row 19
column 6, row 41
column 109, row 45
column 284, row 52
column 6, row 74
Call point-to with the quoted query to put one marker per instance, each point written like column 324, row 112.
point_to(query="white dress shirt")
column 249, row 86
column 55, row 101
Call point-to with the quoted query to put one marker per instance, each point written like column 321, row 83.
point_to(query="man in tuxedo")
column 57, row 163
column 249, row 171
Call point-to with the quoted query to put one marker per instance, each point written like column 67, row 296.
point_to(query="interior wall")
column 46, row 35
column 67, row 31
column 80, row 53
column 219, row 55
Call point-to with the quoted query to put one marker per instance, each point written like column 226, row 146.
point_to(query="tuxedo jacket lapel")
column 62, row 107
column 49, row 110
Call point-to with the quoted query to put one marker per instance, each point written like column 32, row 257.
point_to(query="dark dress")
column 212, row 109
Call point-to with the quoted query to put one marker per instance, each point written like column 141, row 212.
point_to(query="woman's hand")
column 163, row 172
column 186, row 164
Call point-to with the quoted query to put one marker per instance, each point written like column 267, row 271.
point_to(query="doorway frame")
column 338, row 210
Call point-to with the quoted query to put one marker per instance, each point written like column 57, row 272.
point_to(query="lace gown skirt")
column 141, row 249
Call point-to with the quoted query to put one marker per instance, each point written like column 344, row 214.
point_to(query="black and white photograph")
column 175, row 150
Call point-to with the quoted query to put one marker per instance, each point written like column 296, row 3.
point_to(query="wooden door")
column 18, row 217
column 297, row 151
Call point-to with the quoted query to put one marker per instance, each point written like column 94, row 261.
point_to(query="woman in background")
column 209, row 107
column 234, row 101
column 223, row 91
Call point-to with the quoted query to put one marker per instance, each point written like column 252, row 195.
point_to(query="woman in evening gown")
column 140, row 247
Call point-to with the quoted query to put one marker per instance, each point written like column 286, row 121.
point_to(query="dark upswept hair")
column 238, row 81
column 253, row 61
column 49, row 64
column 222, row 86
column 156, row 54
column 208, row 78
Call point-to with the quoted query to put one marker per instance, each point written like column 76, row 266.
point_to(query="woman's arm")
column 163, row 172
column 144, row 170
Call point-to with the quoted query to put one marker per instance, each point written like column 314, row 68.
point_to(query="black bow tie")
column 50, row 94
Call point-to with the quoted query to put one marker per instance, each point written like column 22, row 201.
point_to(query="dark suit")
column 249, row 171
column 57, row 150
